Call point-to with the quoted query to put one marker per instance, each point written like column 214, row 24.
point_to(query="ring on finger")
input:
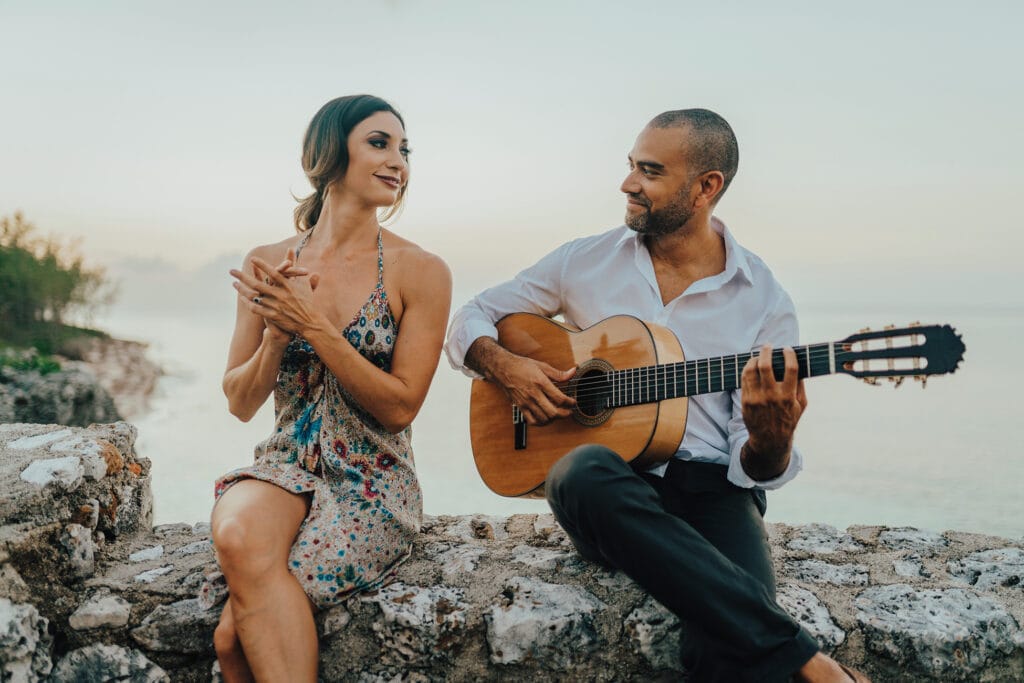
column 257, row 300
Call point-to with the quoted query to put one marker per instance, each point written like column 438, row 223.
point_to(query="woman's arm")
column 393, row 398
column 255, row 353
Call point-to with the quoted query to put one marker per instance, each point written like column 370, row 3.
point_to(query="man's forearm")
column 483, row 356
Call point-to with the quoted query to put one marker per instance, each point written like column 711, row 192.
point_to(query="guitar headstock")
column 893, row 353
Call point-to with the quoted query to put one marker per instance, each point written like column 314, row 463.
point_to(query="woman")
column 331, row 505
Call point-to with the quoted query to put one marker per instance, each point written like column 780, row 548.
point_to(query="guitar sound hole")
column 592, row 391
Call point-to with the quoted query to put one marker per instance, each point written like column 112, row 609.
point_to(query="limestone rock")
column 153, row 574
column 418, row 623
column 77, row 540
column 813, row 615
column 823, row 539
column 654, row 632
column 1001, row 567
column 146, row 554
column 182, row 626
column 65, row 473
column 910, row 567
column 103, row 610
column 918, row 540
column 98, row 662
column 71, row 396
column 817, row 571
column 544, row 623
column 946, row 633
column 24, row 643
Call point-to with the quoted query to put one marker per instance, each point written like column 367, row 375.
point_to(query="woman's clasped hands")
column 282, row 295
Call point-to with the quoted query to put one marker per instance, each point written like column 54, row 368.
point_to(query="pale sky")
column 881, row 155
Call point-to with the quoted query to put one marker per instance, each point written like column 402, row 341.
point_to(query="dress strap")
column 380, row 257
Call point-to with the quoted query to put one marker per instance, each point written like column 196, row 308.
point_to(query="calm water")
column 943, row 458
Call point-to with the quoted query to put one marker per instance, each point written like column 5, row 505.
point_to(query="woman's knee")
column 242, row 548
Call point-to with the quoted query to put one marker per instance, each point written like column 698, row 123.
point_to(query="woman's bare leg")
column 254, row 525
column 233, row 666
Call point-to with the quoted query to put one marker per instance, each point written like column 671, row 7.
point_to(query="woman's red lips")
column 388, row 179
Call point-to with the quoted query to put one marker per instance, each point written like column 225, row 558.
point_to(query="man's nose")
column 630, row 184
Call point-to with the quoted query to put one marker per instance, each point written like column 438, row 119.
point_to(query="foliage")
column 10, row 358
column 42, row 281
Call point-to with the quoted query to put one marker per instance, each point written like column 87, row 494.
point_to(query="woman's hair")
column 325, row 152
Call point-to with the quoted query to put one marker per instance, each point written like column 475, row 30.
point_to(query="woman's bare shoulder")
column 413, row 261
column 276, row 252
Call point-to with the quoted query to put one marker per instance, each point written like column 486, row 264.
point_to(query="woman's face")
column 378, row 160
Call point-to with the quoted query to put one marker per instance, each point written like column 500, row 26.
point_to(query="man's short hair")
column 712, row 145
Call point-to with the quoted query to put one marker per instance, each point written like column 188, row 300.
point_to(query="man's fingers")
column 764, row 365
column 801, row 395
column 789, row 379
column 750, row 375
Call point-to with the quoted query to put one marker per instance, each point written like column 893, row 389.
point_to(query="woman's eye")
column 379, row 144
column 405, row 152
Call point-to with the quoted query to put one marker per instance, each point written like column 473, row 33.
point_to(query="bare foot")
column 823, row 669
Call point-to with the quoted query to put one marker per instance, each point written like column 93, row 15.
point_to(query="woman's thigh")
column 258, row 517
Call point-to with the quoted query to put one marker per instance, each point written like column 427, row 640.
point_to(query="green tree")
column 43, row 280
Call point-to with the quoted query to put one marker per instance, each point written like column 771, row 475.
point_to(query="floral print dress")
column 366, row 503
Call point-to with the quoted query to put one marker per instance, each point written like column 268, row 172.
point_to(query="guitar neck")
column 709, row 375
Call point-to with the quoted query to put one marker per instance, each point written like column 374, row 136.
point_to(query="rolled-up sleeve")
column 779, row 330
column 536, row 289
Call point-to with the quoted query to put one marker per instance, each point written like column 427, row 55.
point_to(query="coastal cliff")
column 89, row 590
column 93, row 380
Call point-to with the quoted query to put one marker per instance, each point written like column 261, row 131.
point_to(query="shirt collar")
column 736, row 261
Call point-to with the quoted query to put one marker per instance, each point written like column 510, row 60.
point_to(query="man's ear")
column 710, row 187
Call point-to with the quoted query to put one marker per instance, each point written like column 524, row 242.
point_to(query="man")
column 690, row 532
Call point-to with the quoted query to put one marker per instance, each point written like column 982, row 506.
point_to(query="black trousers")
column 698, row 545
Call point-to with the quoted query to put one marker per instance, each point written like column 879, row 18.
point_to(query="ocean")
column 940, row 458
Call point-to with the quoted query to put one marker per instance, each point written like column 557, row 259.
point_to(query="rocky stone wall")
column 70, row 396
column 88, row 591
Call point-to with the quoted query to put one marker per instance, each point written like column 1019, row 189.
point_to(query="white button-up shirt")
column 592, row 278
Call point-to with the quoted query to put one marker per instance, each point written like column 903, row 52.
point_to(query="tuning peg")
column 923, row 379
column 897, row 381
column 916, row 323
column 873, row 381
column 889, row 327
column 865, row 330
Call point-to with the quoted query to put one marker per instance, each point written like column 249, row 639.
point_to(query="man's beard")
column 662, row 222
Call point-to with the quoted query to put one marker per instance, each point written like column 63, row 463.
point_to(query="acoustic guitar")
column 632, row 383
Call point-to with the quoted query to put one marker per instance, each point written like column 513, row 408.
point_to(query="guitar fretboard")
column 704, row 376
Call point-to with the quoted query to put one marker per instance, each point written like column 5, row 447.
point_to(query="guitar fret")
column 736, row 369
column 831, row 358
column 709, row 374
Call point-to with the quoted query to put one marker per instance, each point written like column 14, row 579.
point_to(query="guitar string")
column 662, row 371
column 601, row 387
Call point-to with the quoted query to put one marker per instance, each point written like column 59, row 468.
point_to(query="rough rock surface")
column 482, row 598
column 70, row 396
column 121, row 367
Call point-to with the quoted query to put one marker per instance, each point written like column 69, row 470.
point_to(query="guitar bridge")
column 518, row 429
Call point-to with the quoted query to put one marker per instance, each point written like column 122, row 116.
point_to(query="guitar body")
column 643, row 434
